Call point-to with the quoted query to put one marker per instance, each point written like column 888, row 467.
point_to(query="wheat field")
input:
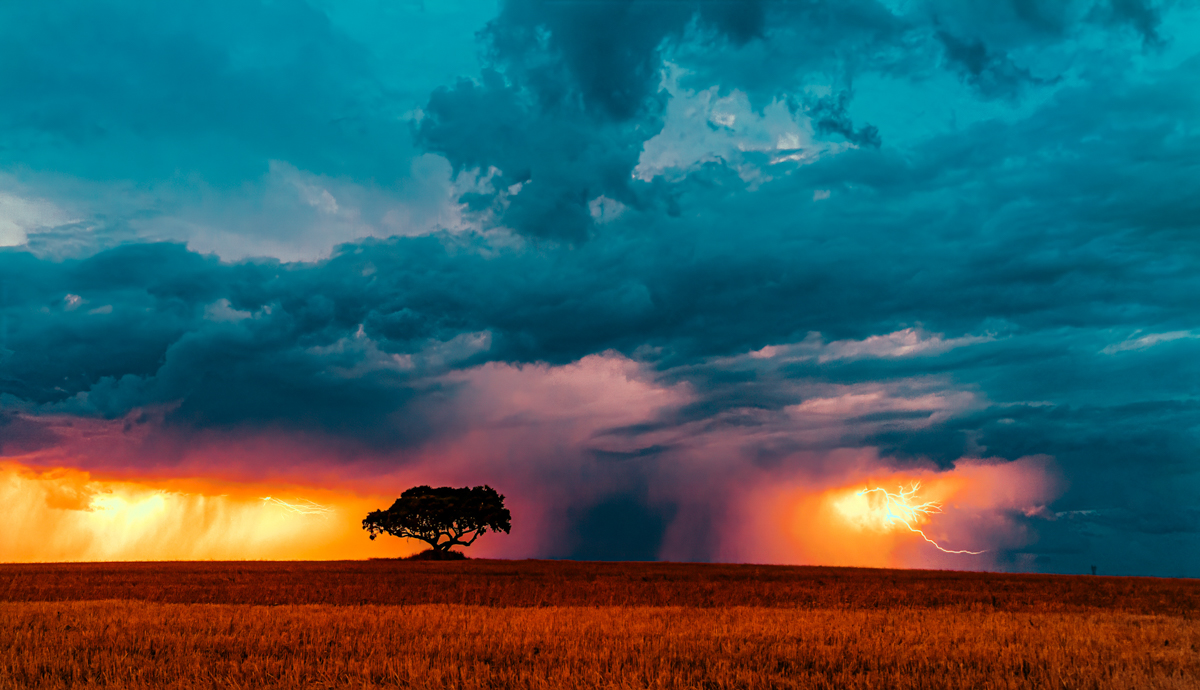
column 1029, row 639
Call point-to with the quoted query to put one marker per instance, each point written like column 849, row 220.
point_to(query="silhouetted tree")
column 457, row 516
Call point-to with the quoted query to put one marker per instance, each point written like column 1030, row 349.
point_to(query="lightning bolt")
column 304, row 507
column 901, row 508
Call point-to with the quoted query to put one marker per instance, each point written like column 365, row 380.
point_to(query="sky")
column 682, row 279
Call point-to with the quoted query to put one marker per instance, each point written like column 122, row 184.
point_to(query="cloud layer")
column 644, row 266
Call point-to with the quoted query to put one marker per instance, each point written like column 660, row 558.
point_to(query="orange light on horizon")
column 852, row 526
column 67, row 515
column 883, row 510
column 959, row 517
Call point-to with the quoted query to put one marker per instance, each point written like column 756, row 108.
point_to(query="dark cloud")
column 550, row 161
column 621, row 528
column 20, row 435
column 604, row 53
column 830, row 117
column 564, row 109
column 1143, row 16
column 993, row 73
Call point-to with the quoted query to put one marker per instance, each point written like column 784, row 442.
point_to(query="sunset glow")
column 856, row 522
column 66, row 514
column 883, row 510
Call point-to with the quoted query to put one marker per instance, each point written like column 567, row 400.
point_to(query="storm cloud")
column 796, row 238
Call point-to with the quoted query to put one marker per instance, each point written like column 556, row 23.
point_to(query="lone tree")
column 458, row 515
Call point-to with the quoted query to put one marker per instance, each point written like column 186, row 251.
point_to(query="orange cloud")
column 69, row 515
column 841, row 522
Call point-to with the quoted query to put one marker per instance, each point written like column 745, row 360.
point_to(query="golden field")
column 499, row 624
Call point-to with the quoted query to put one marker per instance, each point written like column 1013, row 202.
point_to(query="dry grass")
column 145, row 645
column 577, row 625
column 569, row 583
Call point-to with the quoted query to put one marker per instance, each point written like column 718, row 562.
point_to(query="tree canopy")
column 442, row 517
